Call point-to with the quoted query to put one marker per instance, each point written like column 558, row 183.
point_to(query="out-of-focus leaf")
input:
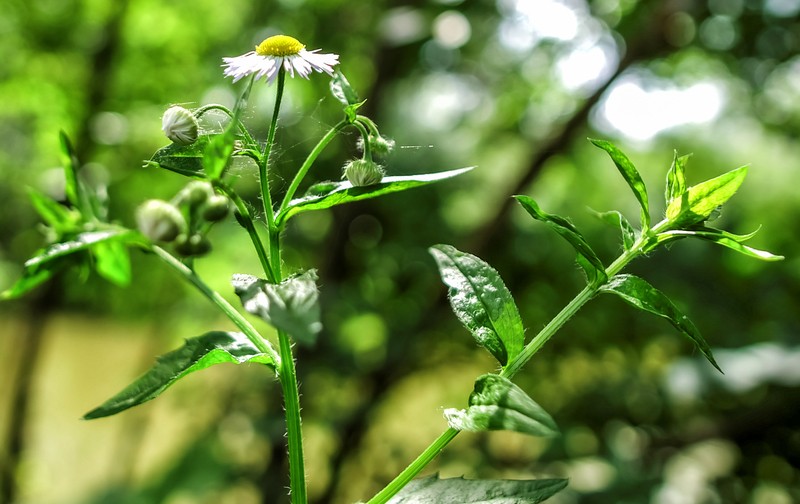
column 33, row 277
column 729, row 240
column 481, row 301
column 617, row 219
column 81, row 242
column 291, row 306
column 433, row 490
column 700, row 201
column 676, row 178
column 498, row 404
column 70, row 166
column 113, row 262
column 339, row 193
column 54, row 214
column 591, row 264
column 342, row 90
column 640, row 294
column 631, row 176
column 197, row 353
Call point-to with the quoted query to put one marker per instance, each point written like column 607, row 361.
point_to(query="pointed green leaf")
column 329, row 194
column 481, row 301
column 498, row 404
column 70, row 165
column 197, row 353
column 631, row 176
column 186, row 160
column 342, row 90
column 617, row 219
column 219, row 151
column 54, row 214
column 729, row 240
column 588, row 260
column 432, row 490
column 113, row 262
column 32, row 277
column 700, row 201
column 291, row 306
column 640, row 294
column 676, row 178
column 81, row 242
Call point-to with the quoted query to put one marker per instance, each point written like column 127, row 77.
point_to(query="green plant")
column 175, row 232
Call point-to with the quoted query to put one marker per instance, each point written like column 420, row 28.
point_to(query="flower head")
column 276, row 52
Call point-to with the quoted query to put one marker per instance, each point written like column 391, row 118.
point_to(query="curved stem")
column 266, row 198
column 365, row 137
column 301, row 173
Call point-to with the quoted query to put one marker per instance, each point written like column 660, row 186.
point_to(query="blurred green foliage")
column 455, row 84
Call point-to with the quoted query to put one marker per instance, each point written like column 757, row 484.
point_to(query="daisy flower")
column 276, row 52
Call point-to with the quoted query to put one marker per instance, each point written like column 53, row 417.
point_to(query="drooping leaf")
column 113, row 262
column 631, row 176
column 81, row 242
column 433, row 490
column 481, row 301
column 197, row 353
column 640, row 294
column 591, row 264
column 698, row 203
column 342, row 90
column 339, row 193
column 184, row 159
column 676, row 178
column 617, row 219
column 291, row 306
column 729, row 240
column 496, row 403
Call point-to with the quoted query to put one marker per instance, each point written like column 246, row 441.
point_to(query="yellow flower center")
column 279, row 46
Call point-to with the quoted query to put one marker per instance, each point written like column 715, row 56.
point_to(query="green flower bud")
column 196, row 193
column 179, row 125
column 216, row 208
column 362, row 172
column 159, row 220
column 194, row 245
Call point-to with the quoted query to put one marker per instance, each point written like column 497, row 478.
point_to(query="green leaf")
column 640, row 294
column 197, row 353
column 617, row 219
column 729, row 240
column 70, row 164
column 342, row 90
column 498, row 404
column 219, row 150
column 588, row 260
column 698, row 203
column 676, row 178
column 462, row 491
column 481, row 301
column 184, row 159
column 33, row 277
column 81, row 242
column 113, row 262
column 291, row 306
column 631, row 176
column 339, row 193
column 54, row 214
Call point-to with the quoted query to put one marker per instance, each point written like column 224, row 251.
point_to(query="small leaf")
column 54, row 214
column 339, row 193
column 700, row 201
column 591, row 264
column 70, row 164
column 219, row 150
column 676, row 178
column 342, row 90
column 291, row 306
column 186, row 160
column 113, row 262
column 481, row 301
column 640, row 294
column 617, row 219
column 81, row 242
column 631, row 176
column 197, row 353
column 729, row 240
column 351, row 111
column 433, row 490
column 498, row 404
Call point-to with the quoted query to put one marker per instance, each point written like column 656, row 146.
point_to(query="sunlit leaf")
column 339, row 193
column 700, row 201
column 81, row 242
column 481, row 301
column 631, row 176
column 342, row 90
column 591, row 264
column 676, row 178
column 640, row 294
column 617, row 219
column 433, row 490
column 498, row 404
column 291, row 306
column 197, row 353
column 729, row 240
column 113, row 262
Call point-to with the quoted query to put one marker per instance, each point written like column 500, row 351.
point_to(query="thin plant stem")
column 519, row 361
column 266, row 198
column 214, row 106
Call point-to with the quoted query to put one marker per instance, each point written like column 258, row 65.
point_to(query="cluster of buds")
column 183, row 222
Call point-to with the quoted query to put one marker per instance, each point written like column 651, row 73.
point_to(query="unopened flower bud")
column 194, row 245
column 380, row 146
column 179, row 125
column 362, row 172
column 159, row 220
column 196, row 193
column 215, row 209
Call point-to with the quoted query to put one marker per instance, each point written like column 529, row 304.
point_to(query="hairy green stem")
column 252, row 334
column 513, row 367
column 266, row 197
column 301, row 173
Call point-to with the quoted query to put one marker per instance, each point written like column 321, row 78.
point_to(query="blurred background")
column 511, row 86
